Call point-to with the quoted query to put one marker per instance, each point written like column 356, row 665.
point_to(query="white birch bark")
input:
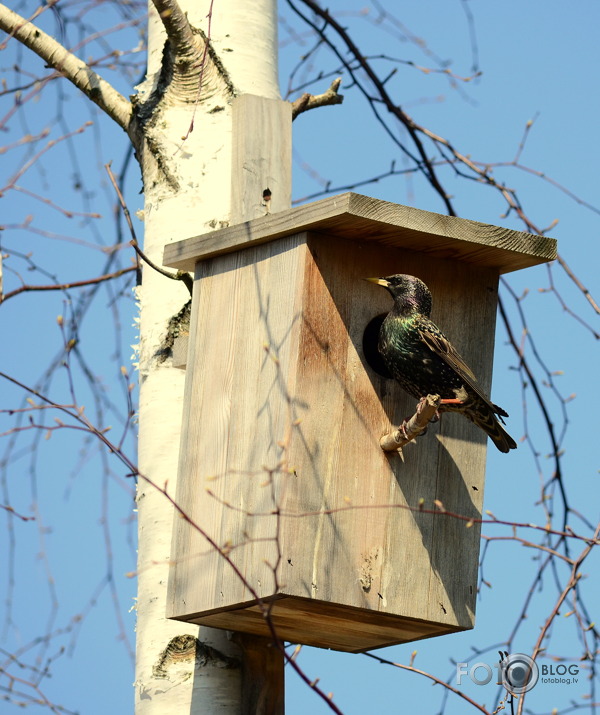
column 244, row 37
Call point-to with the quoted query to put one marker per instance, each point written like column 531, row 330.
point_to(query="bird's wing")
column 443, row 348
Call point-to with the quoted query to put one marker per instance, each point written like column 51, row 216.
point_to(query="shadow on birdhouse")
column 292, row 509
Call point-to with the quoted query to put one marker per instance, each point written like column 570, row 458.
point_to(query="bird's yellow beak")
column 378, row 281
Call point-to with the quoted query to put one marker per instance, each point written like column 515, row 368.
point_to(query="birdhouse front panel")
column 289, row 502
column 378, row 549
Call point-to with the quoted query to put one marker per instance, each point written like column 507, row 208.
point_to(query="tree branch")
column 190, row 63
column 67, row 286
column 177, row 27
column 424, row 162
column 312, row 101
column 75, row 70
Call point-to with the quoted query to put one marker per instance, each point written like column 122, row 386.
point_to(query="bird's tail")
column 499, row 411
column 487, row 421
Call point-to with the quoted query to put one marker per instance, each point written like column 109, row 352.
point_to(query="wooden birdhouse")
column 287, row 494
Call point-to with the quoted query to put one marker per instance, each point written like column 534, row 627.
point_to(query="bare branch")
column 66, row 286
column 571, row 584
column 11, row 511
column 312, row 101
column 177, row 27
column 421, row 159
column 75, row 70
column 579, row 284
column 81, row 422
column 438, row 681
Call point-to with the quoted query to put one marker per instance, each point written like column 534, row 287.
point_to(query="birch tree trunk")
column 180, row 668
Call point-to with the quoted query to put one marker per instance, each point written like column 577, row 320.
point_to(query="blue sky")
column 534, row 58
column 538, row 62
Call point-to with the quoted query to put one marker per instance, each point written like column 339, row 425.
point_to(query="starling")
column 424, row 362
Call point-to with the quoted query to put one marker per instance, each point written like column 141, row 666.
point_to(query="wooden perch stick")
column 416, row 425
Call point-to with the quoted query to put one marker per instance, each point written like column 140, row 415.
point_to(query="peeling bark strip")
column 188, row 649
column 179, row 325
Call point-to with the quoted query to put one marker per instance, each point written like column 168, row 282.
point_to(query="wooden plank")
column 235, row 414
column 262, row 157
column 262, row 676
column 326, row 625
column 459, row 476
column 224, row 292
column 180, row 351
column 380, row 557
column 357, row 217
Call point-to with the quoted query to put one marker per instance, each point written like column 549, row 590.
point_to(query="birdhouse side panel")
column 237, row 417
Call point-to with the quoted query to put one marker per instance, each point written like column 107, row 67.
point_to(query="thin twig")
column 82, row 423
column 180, row 275
column 430, row 676
column 69, row 65
column 67, row 286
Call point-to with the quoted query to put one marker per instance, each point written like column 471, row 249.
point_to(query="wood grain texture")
column 262, row 157
column 315, row 623
column 261, row 184
column 356, row 217
column 281, row 462
column 180, row 351
column 262, row 676
column 236, row 412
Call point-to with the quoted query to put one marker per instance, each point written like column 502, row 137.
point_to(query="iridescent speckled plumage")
column 424, row 362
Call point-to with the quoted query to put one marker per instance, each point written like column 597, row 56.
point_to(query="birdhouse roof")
column 360, row 218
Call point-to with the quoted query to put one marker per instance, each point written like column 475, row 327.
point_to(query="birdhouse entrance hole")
column 369, row 347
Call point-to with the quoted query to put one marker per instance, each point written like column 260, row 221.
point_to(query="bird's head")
column 409, row 293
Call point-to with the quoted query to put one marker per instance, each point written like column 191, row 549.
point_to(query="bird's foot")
column 405, row 429
column 421, row 405
column 447, row 401
column 409, row 429
column 406, row 422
